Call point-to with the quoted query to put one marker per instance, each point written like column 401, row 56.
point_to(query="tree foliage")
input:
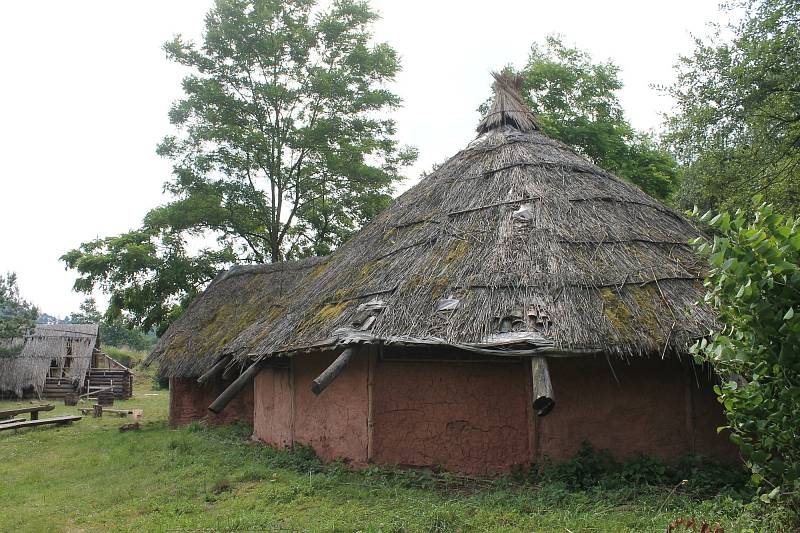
column 576, row 102
column 754, row 283
column 17, row 316
column 283, row 149
column 113, row 331
column 737, row 124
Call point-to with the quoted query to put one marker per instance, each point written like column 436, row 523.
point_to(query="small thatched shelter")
column 57, row 359
column 193, row 344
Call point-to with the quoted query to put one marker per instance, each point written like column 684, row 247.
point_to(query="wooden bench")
column 91, row 410
column 11, row 420
column 34, row 410
column 58, row 421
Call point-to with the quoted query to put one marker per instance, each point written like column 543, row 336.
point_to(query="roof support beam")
column 543, row 397
column 332, row 372
column 234, row 388
column 214, row 370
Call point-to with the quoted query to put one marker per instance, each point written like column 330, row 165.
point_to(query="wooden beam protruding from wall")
column 332, row 372
column 543, row 397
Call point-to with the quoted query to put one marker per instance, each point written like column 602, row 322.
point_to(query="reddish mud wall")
column 189, row 401
column 707, row 414
column 333, row 423
column 475, row 417
column 467, row 417
column 656, row 409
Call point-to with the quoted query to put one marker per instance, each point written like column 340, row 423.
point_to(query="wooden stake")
column 233, row 389
column 332, row 372
column 214, row 370
column 543, row 397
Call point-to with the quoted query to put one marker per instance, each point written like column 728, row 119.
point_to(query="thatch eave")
column 233, row 301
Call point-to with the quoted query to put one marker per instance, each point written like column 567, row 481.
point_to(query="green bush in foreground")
column 754, row 283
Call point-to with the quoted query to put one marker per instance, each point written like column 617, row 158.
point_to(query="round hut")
column 516, row 303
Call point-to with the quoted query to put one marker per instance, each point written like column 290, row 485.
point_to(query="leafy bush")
column 696, row 475
column 754, row 283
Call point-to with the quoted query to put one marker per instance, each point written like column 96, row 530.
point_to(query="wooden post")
column 533, row 424
column 543, row 397
column 332, row 372
column 218, row 367
column 233, row 389
column 371, row 360
column 97, row 410
column 34, row 415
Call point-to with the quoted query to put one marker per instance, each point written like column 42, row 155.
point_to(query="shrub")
column 754, row 283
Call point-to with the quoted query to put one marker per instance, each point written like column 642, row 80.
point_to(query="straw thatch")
column 70, row 346
column 232, row 302
column 516, row 242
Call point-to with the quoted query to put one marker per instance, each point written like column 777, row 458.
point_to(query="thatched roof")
column 233, row 301
column 515, row 242
column 48, row 343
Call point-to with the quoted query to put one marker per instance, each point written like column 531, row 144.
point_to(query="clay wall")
column 474, row 417
column 189, row 401
column 653, row 407
column 333, row 423
column 466, row 417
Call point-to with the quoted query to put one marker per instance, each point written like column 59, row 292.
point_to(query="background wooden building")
column 60, row 359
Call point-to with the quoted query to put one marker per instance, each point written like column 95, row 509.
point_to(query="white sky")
column 85, row 89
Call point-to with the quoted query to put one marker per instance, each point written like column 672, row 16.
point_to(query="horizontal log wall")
column 120, row 380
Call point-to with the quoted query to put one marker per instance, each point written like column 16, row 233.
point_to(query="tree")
column 754, row 284
column 284, row 148
column 575, row 100
column 17, row 316
column 88, row 313
column 113, row 331
column 736, row 129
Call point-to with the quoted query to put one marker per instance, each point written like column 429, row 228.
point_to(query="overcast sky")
column 85, row 90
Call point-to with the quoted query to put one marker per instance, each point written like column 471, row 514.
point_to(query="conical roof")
column 515, row 243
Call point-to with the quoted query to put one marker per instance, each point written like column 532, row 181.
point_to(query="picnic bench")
column 34, row 410
column 10, row 420
column 58, row 421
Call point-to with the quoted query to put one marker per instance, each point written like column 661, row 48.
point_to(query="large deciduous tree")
column 284, row 147
column 736, row 128
column 575, row 99
column 17, row 316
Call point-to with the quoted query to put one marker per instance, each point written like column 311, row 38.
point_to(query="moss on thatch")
column 234, row 301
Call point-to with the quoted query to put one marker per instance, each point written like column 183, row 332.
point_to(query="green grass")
column 91, row 477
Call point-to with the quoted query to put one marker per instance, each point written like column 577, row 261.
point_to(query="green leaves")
column 17, row 316
column 755, row 286
column 284, row 147
column 737, row 126
column 575, row 99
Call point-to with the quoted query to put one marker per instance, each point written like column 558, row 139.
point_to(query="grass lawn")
column 91, row 477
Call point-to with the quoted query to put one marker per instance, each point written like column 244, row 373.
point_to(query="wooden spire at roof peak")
column 508, row 107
